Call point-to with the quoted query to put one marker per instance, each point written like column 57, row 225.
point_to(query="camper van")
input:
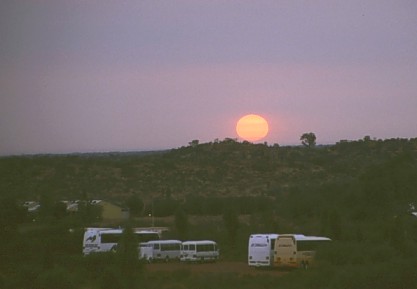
column 296, row 251
column 106, row 239
column 199, row 251
column 261, row 250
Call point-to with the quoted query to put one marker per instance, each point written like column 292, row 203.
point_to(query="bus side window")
column 192, row 247
column 156, row 246
column 110, row 238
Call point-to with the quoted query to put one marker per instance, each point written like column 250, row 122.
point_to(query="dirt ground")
column 217, row 267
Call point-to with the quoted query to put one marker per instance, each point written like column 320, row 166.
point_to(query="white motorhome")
column 261, row 250
column 106, row 239
column 199, row 251
column 295, row 250
column 165, row 250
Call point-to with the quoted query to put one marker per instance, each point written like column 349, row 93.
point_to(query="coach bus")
column 106, row 239
column 261, row 250
column 199, row 251
column 296, row 251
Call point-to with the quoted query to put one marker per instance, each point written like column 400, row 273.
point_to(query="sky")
column 99, row 76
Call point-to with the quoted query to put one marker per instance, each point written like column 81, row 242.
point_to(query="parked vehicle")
column 261, row 250
column 199, row 251
column 106, row 239
column 296, row 251
column 165, row 250
column 146, row 252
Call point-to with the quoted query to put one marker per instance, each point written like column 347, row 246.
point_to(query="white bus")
column 165, row 250
column 106, row 239
column 261, row 250
column 295, row 251
column 199, row 251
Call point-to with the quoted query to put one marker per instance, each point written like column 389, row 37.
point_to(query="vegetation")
column 308, row 139
column 360, row 193
column 181, row 223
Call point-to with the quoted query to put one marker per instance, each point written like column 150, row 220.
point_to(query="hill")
column 359, row 193
column 225, row 168
column 360, row 177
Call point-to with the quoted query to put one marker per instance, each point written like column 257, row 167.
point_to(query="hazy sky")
column 86, row 76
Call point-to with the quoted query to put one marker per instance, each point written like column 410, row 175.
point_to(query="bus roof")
column 164, row 242
column 97, row 229
column 264, row 235
column 112, row 231
column 120, row 230
column 300, row 237
column 199, row 242
column 150, row 229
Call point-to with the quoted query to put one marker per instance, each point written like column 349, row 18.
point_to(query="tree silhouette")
column 308, row 139
column 127, row 252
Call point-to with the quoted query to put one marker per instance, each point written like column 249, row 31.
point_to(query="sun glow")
column 252, row 127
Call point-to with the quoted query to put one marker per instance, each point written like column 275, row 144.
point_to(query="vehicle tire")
column 304, row 265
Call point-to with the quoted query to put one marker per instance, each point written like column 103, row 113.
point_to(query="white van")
column 201, row 251
column 261, row 250
column 146, row 252
column 165, row 250
column 106, row 239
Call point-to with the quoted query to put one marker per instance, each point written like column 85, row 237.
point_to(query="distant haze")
column 95, row 76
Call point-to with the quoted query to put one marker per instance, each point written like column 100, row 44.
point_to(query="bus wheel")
column 304, row 265
column 166, row 259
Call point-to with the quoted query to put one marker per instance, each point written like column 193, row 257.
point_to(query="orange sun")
column 252, row 127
